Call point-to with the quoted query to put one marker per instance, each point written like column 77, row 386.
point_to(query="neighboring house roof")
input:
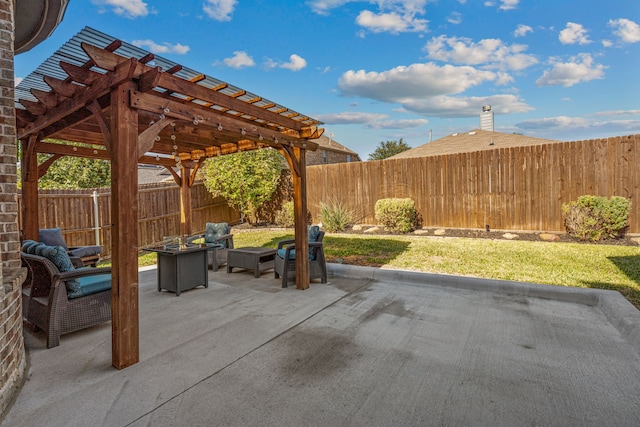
column 475, row 140
column 326, row 143
column 35, row 20
column 150, row 174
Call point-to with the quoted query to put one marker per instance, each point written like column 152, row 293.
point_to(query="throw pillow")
column 27, row 244
column 214, row 230
column 60, row 258
column 53, row 237
column 314, row 232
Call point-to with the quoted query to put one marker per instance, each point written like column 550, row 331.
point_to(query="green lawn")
column 560, row 264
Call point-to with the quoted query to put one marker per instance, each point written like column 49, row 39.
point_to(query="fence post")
column 96, row 217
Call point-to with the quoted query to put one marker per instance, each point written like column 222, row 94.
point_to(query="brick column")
column 12, row 354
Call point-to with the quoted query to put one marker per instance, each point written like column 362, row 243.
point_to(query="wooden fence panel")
column 518, row 188
column 158, row 213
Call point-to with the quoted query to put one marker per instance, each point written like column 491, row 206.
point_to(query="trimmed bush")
column 396, row 214
column 336, row 216
column 594, row 218
column 284, row 217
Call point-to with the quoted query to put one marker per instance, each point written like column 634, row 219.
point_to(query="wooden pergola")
column 116, row 97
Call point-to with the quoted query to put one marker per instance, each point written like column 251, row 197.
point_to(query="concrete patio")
column 374, row 347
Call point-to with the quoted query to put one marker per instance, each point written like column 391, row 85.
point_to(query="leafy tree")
column 70, row 172
column 387, row 149
column 246, row 179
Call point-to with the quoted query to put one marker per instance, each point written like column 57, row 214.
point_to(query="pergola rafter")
column 132, row 107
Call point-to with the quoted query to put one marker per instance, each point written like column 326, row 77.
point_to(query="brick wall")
column 12, row 353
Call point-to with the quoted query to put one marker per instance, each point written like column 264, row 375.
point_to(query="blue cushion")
column 313, row 232
column 53, row 237
column 84, row 251
column 31, row 248
column 58, row 256
column 26, row 244
column 40, row 249
column 89, row 285
column 214, row 230
column 292, row 254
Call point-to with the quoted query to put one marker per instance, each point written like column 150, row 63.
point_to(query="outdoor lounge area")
column 372, row 347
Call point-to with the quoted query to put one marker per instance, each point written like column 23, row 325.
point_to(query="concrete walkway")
column 372, row 348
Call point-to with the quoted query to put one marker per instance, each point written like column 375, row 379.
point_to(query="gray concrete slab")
column 373, row 347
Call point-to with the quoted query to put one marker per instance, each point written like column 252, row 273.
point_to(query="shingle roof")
column 475, row 140
column 327, row 143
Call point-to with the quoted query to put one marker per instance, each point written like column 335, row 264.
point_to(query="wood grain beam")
column 108, row 61
column 99, row 87
column 62, row 88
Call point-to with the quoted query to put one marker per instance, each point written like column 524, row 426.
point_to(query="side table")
column 250, row 258
column 181, row 267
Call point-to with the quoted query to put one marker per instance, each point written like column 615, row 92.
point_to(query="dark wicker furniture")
column 219, row 240
column 48, row 307
column 250, row 258
column 285, row 261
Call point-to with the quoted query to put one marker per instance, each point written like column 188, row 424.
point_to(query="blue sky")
column 383, row 70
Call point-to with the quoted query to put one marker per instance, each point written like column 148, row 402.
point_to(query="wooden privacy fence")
column 518, row 188
column 76, row 211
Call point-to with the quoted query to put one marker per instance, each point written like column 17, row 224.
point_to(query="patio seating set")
column 64, row 291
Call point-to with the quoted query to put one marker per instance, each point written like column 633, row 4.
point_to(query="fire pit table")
column 250, row 258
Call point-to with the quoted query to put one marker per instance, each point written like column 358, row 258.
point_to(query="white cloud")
column 126, row 8
column 574, row 33
column 508, row 4
column 350, row 117
column 296, row 63
column 493, row 53
column 455, row 18
column 392, row 22
column 607, row 43
column 522, row 30
column 239, row 59
column 220, row 10
column 393, row 16
column 466, row 106
column 565, row 123
column 627, row 30
column 580, row 69
column 18, row 80
column 322, row 7
column 161, row 48
column 398, row 124
column 616, row 113
column 427, row 89
column 370, row 120
column 416, row 80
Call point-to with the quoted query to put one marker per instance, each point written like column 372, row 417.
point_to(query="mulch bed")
column 627, row 240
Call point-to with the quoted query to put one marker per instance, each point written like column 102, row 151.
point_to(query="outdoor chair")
column 285, row 262
column 218, row 238
column 89, row 255
column 61, row 298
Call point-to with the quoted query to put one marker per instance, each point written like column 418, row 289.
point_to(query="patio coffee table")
column 256, row 259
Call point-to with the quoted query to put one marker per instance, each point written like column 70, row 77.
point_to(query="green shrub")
column 594, row 218
column 396, row 214
column 284, row 217
column 336, row 216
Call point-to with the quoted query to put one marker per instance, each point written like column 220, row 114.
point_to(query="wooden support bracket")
column 95, row 108
column 148, row 136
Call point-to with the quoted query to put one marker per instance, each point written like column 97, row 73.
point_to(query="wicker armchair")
column 218, row 238
column 48, row 305
column 285, row 261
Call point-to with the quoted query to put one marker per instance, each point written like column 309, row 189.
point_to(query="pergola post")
column 30, row 213
column 185, row 201
column 124, row 214
column 296, row 157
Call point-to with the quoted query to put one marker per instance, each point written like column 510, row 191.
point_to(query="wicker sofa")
column 48, row 305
